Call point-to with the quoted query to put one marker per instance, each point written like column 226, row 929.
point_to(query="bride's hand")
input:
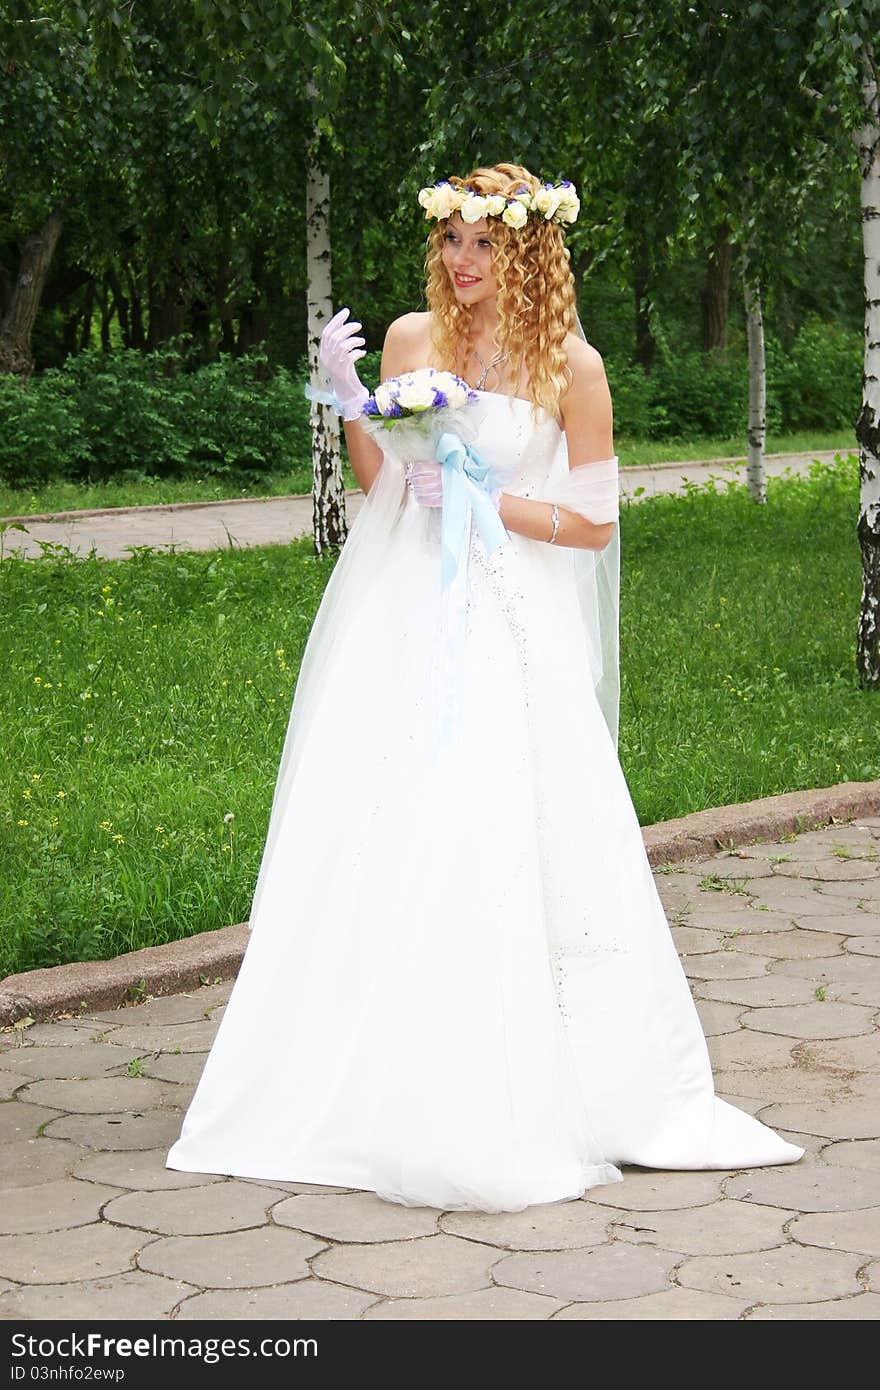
column 425, row 482
column 340, row 348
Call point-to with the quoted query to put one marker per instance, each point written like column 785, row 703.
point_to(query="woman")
column 461, row 990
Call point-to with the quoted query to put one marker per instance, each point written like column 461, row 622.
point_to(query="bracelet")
column 555, row 524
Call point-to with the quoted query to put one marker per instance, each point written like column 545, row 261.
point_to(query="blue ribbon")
column 466, row 483
column 321, row 397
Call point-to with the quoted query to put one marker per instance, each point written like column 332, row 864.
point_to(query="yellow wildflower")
column 22, row 822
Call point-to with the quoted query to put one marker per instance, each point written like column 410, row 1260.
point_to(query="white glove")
column 425, row 482
column 339, row 350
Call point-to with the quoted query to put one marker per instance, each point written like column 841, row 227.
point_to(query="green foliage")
column 130, row 414
column 819, row 381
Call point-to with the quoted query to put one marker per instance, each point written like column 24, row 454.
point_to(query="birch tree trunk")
column 328, row 494
column 756, row 476
column 868, row 423
column 21, row 313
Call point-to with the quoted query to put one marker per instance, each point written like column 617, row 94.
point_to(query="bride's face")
column 467, row 256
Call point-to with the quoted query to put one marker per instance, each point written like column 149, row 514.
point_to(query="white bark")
column 756, row 475
column 868, row 425
column 328, row 493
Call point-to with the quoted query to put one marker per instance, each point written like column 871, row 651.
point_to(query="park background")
column 184, row 192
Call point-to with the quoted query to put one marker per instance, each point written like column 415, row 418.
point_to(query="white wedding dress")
column 460, row 990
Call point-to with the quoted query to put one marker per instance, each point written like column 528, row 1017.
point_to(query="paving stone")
column 866, row 994
column 846, row 924
column 234, row 1260
column 425, row 1266
column 749, row 1049
column 181, row 1068
column 743, row 923
column 863, row 1307
column 19, row 1120
column 99, row 1096
column 788, row 1274
column 58, row 1034
column 550, row 1226
column 652, row 1189
column 724, row 1227
column 672, row 1305
column 767, row 991
column 131, row 1295
column 10, row 1082
column 79, row 1061
column 865, row 890
column 139, row 1171
column 29, row 1162
column 86, row 1252
column 146, row 1129
column 303, row 1300
column 784, row 1085
column 171, row 1008
column 819, row 1188
column 780, row 894
column 864, row 945
column 849, row 1118
column 601, row 1272
column 793, row 945
column 52, row 1206
column 854, row 1153
column 718, row 1018
column 206, row 1210
column 483, row 1305
column 831, row 869
column 845, row 969
column 725, row 965
column 848, row 1055
column 355, row 1216
column 172, row 1037
column 711, row 909
column 872, row 1276
column 858, row 1231
column 818, row 1020
column 691, row 941
column 724, row 865
column 319, row 1189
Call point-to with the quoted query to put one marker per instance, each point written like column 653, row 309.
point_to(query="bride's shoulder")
column 584, row 361
column 407, row 344
column 410, row 329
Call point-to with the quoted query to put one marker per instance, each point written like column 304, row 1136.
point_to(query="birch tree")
column 867, row 139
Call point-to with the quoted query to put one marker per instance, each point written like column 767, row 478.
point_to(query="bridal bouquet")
column 432, row 415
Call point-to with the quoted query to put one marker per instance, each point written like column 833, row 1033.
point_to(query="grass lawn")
column 145, row 702
column 61, row 496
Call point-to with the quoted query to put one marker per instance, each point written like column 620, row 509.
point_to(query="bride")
column 460, row 989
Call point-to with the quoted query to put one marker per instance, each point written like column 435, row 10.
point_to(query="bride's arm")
column 587, row 420
column 365, row 455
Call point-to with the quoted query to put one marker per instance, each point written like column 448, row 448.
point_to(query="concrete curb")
column 737, row 462
column 212, row 955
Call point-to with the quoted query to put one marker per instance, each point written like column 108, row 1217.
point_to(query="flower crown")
column 555, row 202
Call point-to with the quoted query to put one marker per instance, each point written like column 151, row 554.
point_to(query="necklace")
column 487, row 366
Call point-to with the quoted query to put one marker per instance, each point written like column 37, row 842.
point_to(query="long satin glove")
column 425, row 482
column 340, row 348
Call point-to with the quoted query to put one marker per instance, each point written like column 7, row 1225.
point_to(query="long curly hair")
column 536, row 296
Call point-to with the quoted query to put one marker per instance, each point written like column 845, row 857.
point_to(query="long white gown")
column 460, row 988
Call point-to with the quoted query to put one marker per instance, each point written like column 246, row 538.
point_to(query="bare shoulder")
column 407, row 344
column 585, row 362
column 410, row 329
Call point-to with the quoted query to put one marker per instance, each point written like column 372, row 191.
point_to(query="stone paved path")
column 275, row 521
column 781, row 943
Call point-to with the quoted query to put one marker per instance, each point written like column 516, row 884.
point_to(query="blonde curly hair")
column 536, row 298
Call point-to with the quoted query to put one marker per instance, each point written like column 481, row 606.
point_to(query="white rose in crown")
column 495, row 205
column 416, row 392
column 569, row 204
column 515, row 215
column 546, row 201
column 473, row 208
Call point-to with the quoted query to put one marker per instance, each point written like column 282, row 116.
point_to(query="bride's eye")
column 450, row 236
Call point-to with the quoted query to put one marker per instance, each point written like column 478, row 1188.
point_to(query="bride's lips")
column 465, row 281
